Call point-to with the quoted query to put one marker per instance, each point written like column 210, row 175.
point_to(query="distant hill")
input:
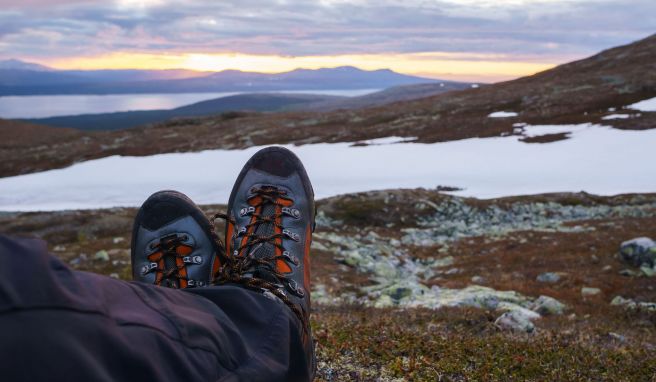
column 262, row 102
column 387, row 96
column 19, row 79
column 130, row 119
column 22, row 65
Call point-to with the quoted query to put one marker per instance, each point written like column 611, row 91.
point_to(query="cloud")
column 547, row 30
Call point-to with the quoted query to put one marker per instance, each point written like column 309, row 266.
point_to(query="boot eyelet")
column 295, row 288
column 148, row 268
column 293, row 259
column 292, row 235
column 246, row 211
column 293, row 212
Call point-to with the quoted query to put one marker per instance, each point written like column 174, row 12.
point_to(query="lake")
column 15, row 107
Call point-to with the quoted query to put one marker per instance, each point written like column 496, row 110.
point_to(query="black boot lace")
column 246, row 265
column 169, row 263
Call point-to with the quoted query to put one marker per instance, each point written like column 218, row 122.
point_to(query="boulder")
column 589, row 292
column 515, row 321
column 546, row 305
column 639, row 252
column 631, row 304
column 101, row 255
column 548, row 277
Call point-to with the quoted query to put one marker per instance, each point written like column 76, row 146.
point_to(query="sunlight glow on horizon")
column 451, row 66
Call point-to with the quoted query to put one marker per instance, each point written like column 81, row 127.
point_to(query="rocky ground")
column 419, row 285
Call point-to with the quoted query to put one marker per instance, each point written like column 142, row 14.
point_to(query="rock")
column 589, row 292
column 627, row 272
column 384, row 301
column 478, row 280
column 395, row 243
column 118, row 240
column 639, row 252
column 515, row 321
column 319, row 246
column 548, row 277
column 631, row 304
column 441, row 263
column 648, row 271
column 114, row 276
column 101, row 255
column 620, row 301
column 353, row 258
column 78, row 260
column 59, row 248
column 617, row 336
column 546, row 305
column 607, row 268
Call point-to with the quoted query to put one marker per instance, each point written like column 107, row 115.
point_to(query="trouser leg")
column 62, row 325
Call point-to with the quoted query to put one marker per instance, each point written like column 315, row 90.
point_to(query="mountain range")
column 21, row 78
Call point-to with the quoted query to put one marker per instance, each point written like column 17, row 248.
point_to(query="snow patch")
column 645, row 105
column 502, row 114
column 616, row 116
column 387, row 140
column 597, row 159
column 531, row 131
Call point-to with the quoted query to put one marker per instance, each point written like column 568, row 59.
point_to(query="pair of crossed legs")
column 198, row 310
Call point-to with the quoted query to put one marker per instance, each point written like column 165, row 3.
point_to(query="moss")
column 422, row 345
column 356, row 212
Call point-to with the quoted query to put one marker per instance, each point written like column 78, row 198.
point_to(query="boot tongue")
column 267, row 249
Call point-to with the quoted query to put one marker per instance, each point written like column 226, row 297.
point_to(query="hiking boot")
column 172, row 243
column 269, row 228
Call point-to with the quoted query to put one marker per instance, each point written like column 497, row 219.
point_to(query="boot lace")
column 174, row 272
column 259, row 272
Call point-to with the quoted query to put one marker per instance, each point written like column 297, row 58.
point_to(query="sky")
column 474, row 40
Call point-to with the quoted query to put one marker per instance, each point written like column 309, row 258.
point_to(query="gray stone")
column 515, row 321
column 478, row 280
column 648, row 271
column 101, row 255
column 631, row 304
column 548, row 277
column 627, row 272
column 617, row 336
column 589, row 291
column 114, row 276
column 546, row 305
column 118, row 240
column 639, row 252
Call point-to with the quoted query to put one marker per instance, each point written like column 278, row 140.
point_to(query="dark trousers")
column 62, row 325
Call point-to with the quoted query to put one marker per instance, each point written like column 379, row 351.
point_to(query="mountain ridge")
column 16, row 81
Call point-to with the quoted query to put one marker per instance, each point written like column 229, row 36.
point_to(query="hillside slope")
column 129, row 119
column 260, row 102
